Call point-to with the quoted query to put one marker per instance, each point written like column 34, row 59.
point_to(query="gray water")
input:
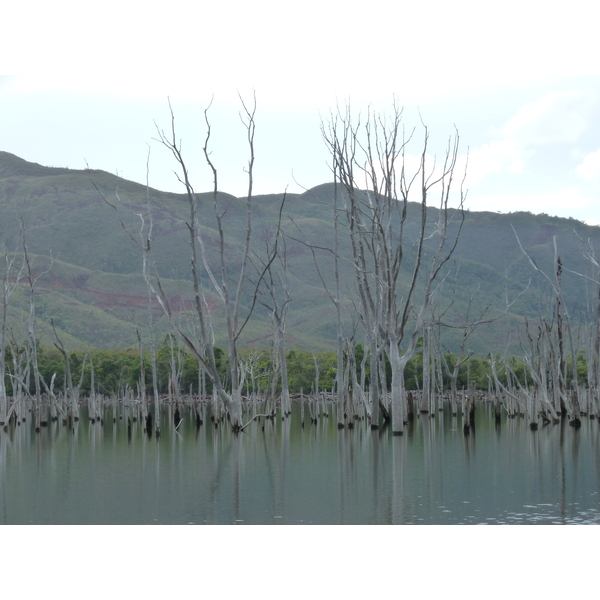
column 282, row 473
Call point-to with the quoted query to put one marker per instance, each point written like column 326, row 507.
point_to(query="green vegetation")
column 97, row 296
column 117, row 370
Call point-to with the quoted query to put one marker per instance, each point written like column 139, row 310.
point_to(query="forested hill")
column 95, row 293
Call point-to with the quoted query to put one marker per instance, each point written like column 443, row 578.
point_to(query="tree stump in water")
column 497, row 413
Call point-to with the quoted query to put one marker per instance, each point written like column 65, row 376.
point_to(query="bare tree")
column 231, row 283
column 277, row 288
column 32, row 349
column 71, row 390
column 335, row 295
column 378, row 227
column 592, row 345
column 550, row 346
column 10, row 279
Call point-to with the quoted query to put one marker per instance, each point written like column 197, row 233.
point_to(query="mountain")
column 96, row 295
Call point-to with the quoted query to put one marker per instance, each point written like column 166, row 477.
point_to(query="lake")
column 278, row 472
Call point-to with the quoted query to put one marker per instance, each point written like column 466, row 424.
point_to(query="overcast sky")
column 522, row 87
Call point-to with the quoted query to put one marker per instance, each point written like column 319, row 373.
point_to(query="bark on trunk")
column 397, row 389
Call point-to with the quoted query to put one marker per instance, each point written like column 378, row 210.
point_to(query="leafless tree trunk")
column 230, row 295
column 376, row 223
column 340, row 391
column 142, row 379
column 427, row 391
column 93, row 412
column 71, row 391
column 554, row 348
column 10, row 280
column 202, row 344
column 593, row 345
column 317, row 394
column 277, row 285
column 176, row 364
column 18, row 376
column 31, row 334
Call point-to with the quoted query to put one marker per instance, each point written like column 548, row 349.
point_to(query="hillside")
column 96, row 295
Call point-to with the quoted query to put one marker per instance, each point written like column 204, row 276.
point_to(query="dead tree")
column 71, row 391
column 142, row 378
column 276, row 299
column 541, row 370
column 31, row 325
column 334, row 292
column 200, row 340
column 554, row 344
column 377, row 221
column 10, row 279
column 342, row 141
column 593, row 340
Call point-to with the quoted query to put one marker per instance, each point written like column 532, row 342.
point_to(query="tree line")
column 114, row 372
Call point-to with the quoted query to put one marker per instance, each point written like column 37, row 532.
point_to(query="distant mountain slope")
column 97, row 297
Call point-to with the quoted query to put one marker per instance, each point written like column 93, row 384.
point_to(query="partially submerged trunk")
column 8, row 287
column 397, row 364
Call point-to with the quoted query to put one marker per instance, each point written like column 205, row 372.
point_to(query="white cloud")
column 563, row 203
column 497, row 155
column 589, row 168
column 556, row 117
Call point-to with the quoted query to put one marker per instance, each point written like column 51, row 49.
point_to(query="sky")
column 521, row 86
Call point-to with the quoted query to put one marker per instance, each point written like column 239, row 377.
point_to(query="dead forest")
column 391, row 360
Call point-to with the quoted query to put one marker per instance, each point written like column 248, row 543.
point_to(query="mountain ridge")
column 96, row 264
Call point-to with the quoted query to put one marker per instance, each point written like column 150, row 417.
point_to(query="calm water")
column 286, row 474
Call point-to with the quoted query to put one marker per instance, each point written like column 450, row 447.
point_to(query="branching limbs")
column 377, row 221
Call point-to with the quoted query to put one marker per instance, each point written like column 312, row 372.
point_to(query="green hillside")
column 96, row 294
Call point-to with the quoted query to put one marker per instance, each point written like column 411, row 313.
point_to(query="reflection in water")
column 278, row 472
column 398, row 514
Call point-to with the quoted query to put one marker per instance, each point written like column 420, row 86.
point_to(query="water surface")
column 282, row 473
